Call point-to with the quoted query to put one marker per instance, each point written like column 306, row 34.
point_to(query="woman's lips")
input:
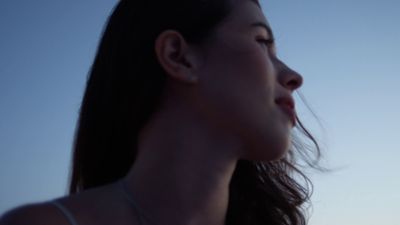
column 286, row 104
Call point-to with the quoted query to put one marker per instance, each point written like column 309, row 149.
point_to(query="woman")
column 186, row 119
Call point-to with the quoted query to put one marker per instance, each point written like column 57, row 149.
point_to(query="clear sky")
column 347, row 51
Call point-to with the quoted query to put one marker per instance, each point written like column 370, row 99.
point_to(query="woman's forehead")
column 244, row 13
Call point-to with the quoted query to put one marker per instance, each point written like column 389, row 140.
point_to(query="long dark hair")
column 123, row 90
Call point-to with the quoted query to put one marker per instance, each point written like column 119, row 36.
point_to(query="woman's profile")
column 187, row 119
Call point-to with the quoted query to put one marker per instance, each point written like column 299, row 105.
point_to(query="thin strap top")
column 66, row 212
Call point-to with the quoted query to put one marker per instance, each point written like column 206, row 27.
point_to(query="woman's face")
column 245, row 89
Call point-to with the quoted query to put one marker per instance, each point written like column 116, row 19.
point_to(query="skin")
column 219, row 106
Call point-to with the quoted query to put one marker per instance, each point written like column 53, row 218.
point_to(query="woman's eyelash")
column 268, row 42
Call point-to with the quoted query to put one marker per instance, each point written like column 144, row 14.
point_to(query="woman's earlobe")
column 172, row 52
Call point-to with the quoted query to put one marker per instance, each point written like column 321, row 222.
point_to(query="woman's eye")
column 267, row 42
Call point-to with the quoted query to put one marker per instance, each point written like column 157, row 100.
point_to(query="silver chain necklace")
column 128, row 195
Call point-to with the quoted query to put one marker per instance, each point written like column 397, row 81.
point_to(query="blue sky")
column 347, row 51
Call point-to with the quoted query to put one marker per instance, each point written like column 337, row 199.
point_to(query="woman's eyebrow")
column 258, row 3
column 265, row 26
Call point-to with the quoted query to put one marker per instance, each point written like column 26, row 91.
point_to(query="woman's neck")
column 183, row 169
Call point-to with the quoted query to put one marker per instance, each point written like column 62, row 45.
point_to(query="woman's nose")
column 289, row 78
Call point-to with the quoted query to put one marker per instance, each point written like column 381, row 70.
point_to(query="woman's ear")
column 176, row 57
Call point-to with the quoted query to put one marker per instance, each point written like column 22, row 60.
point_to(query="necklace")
column 128, row 195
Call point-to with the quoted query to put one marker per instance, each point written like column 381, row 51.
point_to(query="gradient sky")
column 347, row 51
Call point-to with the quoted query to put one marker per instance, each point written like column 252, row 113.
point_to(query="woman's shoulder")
column 89, row 207
column 58, row 211
column 31, row 214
